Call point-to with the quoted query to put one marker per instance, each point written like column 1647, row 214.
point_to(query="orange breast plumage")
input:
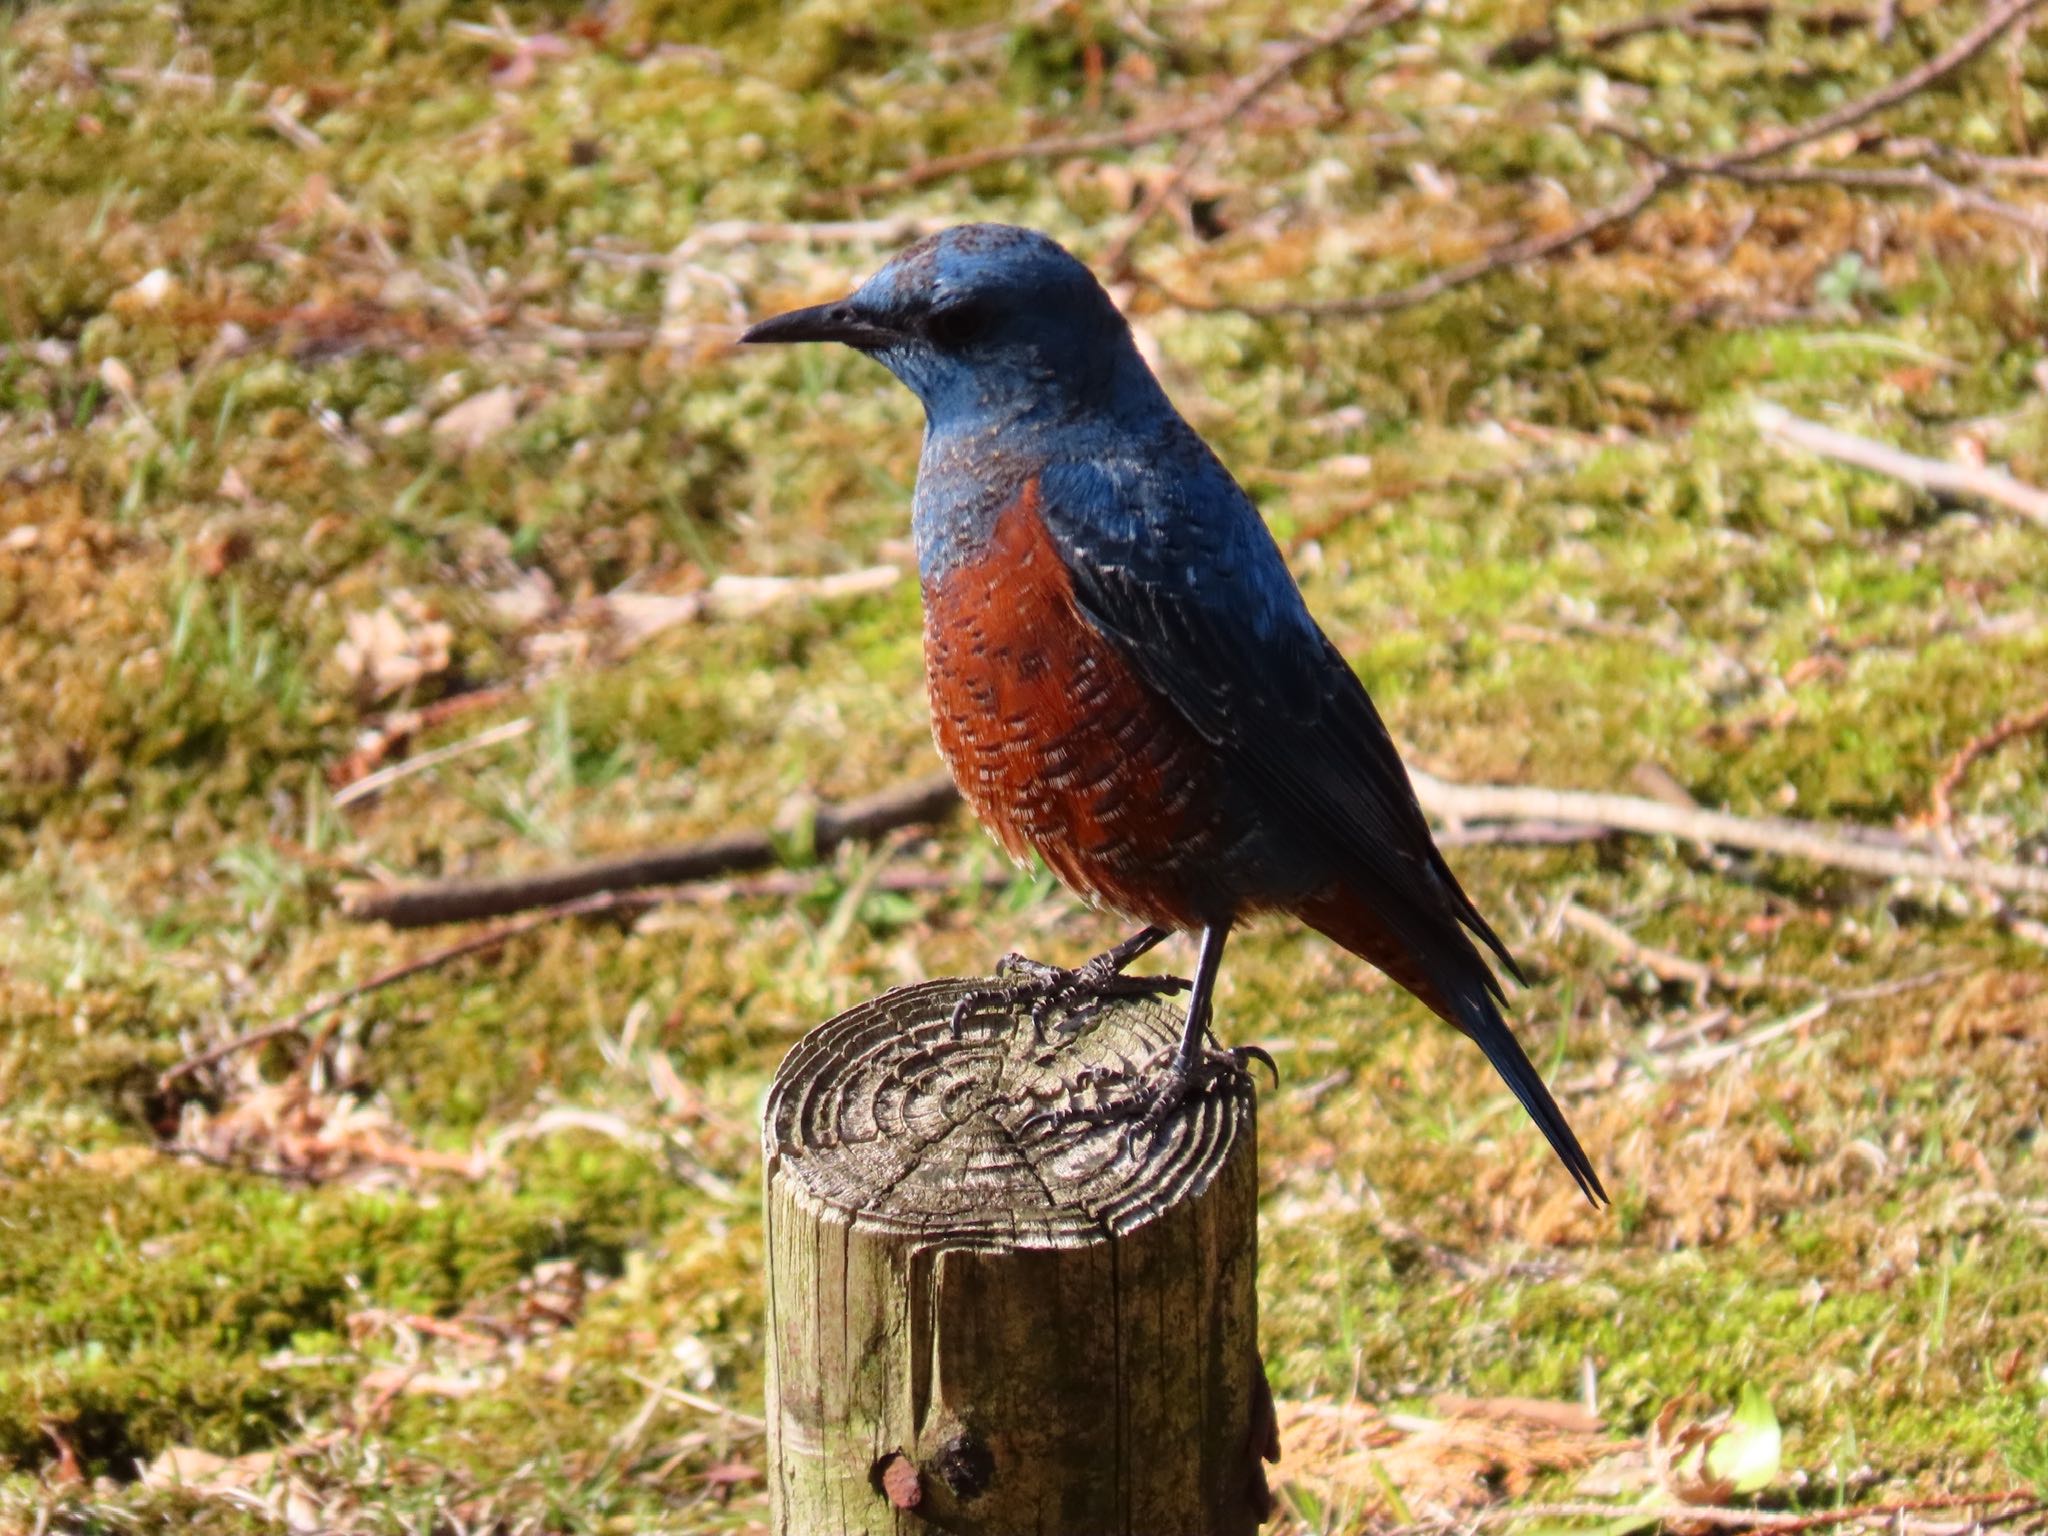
column 1056, row 743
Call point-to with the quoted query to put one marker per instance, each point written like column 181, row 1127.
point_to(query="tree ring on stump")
column 996, row 1137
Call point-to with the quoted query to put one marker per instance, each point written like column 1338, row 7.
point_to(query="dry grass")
column 342, row 370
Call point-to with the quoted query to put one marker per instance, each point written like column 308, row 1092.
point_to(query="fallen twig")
column 1516, row 253
column 276, row 1171
column 370, row 783
column 1470, row 813
column 1356, row 20
column 1527, row 47
column 1976, row 480
column 1666, row 171
column 1772, row 1522
column 1673, row 969
column 1834, row 847
column 922, row 800
column 1939, row 810
column 708, row 1405
column 2012, row 167
column 781, row 884
column 1998, row 18
column 1688, row 1052
column 1530, row 833
column 1919, row 178
column 394, row 729
column 329, row 1001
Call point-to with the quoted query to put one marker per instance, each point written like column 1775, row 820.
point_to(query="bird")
column 1124, row 677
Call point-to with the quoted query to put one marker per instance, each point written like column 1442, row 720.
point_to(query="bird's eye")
column 957, row 324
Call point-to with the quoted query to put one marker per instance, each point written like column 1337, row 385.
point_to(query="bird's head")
column 986, row 323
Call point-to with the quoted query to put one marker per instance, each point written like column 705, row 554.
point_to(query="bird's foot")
column 1145, row 1100
column 1057, row 989
column 1190, row 1076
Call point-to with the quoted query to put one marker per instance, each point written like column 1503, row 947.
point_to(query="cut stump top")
column 997, row 1138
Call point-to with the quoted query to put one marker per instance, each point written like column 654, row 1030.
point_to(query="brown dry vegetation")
column 352, row 361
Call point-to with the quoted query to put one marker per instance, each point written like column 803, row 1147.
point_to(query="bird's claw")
column 1052, row 989
column 1186, row 1076
column 1242, row 1054
column 1147, row 1101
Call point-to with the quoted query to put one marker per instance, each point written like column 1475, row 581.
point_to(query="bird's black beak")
column 837, row 321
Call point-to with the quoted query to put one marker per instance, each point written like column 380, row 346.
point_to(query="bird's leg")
column 1195, row 1064
column 1049, row 987
column 1190, row 1065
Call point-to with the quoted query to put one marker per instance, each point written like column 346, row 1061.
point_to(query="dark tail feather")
column 1469, row 916
column 1481, row 1019
column 1470, row 1003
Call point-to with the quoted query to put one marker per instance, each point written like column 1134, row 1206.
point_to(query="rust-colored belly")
column 1056, row 743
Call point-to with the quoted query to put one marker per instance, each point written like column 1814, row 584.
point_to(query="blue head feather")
column 989, row 323
column 1022, row 363
column 998, row 324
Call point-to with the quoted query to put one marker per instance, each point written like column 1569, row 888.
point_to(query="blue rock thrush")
column 1124, row 677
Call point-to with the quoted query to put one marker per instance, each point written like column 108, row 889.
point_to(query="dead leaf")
column 66, row 1472
column 287, row 1127
column 186, row 1466
column 637, row 616
column 394, row 648
column 474, row 422
column 1568, row 1418
column 1711, row 1461
column 1356, row 1456
column 728, row 1475
column 389, row 1381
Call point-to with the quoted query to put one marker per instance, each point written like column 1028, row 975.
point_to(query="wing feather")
column 1174, row 565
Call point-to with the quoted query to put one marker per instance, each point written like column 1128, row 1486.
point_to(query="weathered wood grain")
column 994, row 1309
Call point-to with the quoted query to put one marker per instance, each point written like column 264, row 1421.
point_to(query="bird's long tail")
column 1461, row 989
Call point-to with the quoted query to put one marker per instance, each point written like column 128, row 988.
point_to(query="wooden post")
column 988, row 1316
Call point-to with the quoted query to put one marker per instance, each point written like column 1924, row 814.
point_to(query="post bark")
column 994, row 1309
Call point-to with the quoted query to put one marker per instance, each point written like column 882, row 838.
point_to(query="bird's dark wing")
column 1172, row 563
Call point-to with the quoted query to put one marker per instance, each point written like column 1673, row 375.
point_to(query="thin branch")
column 1357, row 19
column 1939, row 810
column 708, row 1405
column 1520, row 834
column 278, row 1171
column 395, row 729
column 781, row 884
column 1458, row 803
column 1515, row 254
column 1935, row 475
column 1997, row 19
column 1361, row 16
column 1702, row 976
column 1661, row 1061
column 1918, row 178
column 329, row 1001
column 2016, row 167
column 1470, row 813
column 1693, row 20
column 1667, row 171
column 923, row 800
column 370, row 783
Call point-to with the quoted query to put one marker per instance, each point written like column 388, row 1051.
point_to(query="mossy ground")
column 1534, row 513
